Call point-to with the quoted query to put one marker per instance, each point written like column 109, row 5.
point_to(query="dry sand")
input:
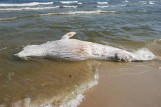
column 135, row 84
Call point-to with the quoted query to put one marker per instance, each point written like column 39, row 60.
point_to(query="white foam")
column 25, row 4
column 104, row 52
column 102, row 2
column 68, row 2
column 111, row 6
column 10, row 75
column 156, row 41
column 126, row 1
column 72, row 102
column 78, row 12
column 102, row 6
column 28, row 8
column 22, row 103
column 79, row 3
column 4, row 19
column 151, row 2
column 145, row 54
column 69, row 6
column 143, row 2
column 80, row 90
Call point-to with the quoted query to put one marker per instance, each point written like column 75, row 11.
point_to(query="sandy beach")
column 126, row 85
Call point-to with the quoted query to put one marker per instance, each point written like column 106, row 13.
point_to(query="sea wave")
column 68, row 2
column 78, row 12
column 1, row 49
column 28, row 8
column 25, row 4
column 5, row 19
column 80, row 3
column 102, row 2
column 80, row 90
column 145, row 54
column 75, row 98
column 147, row 2
column 126, row 1
column 151, row 2
column 156, row 41
column 143, row 2
column 102, row 6
column 111, row 6
column 68, row 6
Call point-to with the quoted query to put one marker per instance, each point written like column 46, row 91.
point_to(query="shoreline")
column 125, row 85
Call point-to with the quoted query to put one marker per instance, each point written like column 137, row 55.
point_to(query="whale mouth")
column 28, row 57
column 22, row 57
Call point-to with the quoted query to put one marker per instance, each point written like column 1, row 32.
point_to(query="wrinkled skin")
column 73, row 49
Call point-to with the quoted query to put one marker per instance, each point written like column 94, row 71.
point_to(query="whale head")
column 30, row 51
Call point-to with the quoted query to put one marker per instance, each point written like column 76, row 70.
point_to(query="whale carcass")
column 74, row 49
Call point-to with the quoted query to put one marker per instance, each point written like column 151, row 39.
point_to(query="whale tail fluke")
column 68, row 35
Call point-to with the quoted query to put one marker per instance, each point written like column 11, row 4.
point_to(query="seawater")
column 129, row 25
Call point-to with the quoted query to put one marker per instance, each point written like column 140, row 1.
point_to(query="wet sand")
column 135, row 84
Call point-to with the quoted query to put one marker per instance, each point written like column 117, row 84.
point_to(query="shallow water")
column 129, row 25
column 44, row 82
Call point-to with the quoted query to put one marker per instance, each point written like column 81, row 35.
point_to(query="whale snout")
column 31, row 51
column 22, row 55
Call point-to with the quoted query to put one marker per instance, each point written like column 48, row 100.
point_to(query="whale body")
column 74, row 49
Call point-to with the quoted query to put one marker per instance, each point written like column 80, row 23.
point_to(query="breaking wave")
column 35, row 8
column 5, row 19
column 102, row 2
column 73, row 100
column 78, row 12
column 143, row 2
column 68, row 2
column 68, row 6
column 151, row 2
column 28, row 8
column 103, row 6
column 145, row 54
column 106, row 6
column 147, row 2
column 126, row 1
column 156, row 41
column 25, row 4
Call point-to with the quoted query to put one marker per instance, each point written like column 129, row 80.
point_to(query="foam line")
column 4, row 19
column 151, row 2
column 25, row 4
column 28, row 8
column 111, row 6
column 1, row 49
column 102, row 2
column 68, row 6
column 68, row 2
column 78, row 12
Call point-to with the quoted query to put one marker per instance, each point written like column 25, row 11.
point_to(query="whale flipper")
column 68, row 35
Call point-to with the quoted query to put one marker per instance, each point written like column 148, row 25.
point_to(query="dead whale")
column 74, row 49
